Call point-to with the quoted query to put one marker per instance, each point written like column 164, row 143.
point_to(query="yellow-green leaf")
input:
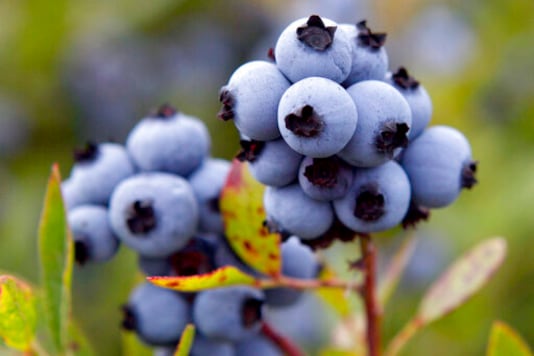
column 463, row 279
column 338, row 352
column 18, row 316
column 243, row 215
column 505, row 341
column 222, row 277
column 55, row 252
column 132, row 346
column 186, row 341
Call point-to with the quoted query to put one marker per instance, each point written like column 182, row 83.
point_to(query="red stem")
column 283, row 343
column 372, row 309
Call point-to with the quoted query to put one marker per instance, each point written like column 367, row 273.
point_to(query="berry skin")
column 274, row 163
column 207, row 182
column 228, row 314
column 298, row 261
column 169, row 141
column 325, row 178
column 203, row 346
column 257, row 345
column 94, row 240
column 439, row 165
column 383, row 125
column 155, row 213
column 96, row 172
column 317, row 117
column 290, row 210
column 157, row 315
column 369, row 57
column 313, row 47
column 416, row 96
column 378, row 199
column 251, row 99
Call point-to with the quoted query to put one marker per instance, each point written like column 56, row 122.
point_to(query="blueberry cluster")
column 159, row 195
column 341, row 142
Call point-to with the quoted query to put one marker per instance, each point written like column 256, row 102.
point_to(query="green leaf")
column 78, row 343
column 18, row 316
column 56, row 256
column 186, row 341
column 463, row 279
column 132, row 346
column 222, row 277
column 505, row 341
column 453, row 288
column 395, row 270
column 243, row 215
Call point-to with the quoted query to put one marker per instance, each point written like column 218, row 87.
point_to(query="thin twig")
column 284, row 344
column 373, row 312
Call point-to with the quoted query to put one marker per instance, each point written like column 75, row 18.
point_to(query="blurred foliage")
column 78, row 70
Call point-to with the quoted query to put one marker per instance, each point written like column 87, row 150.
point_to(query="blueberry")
column 290, row 210
column 317, row 117
column 169, row 141
column 439, row 165
column 305, row 322
column 96, row 172
column 383, row 125
column 203, row 346
column 207, row 182
column 325, row 178
column 313, row 48
column 251, row 99
column 416, row 96
column 228, row 314
column 298, row 261
column 369, row 57
column 93, row 238
column 157, row 315
column 377, row 200
column 272, row 163
column 155, row 213
column 257, row 345
column 155, row 266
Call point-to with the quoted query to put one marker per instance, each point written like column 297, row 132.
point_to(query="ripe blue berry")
column 207, row 182
column 439, row 165
column 203, row 346
column 325, row 178
column 290, row 211
column 93, row 238
column 298, row 261
column 313, row 48
column 272, row 163
column 228, row 314
column 257, row 345
column 317, row 117
column 157, row 315
column 251, row 99
column 154, row 213
column 384, row 121
column 169, row 141
column 369, row 57
column 96, row 172
column 416, row 96
column 378, row 199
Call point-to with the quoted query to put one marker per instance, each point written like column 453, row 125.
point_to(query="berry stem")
column 373, row 311
column 284, row 344
column 303, row 284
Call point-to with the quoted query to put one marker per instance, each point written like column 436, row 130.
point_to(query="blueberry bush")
column 283, row 248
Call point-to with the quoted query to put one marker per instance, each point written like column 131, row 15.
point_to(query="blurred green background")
column 71, row 71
